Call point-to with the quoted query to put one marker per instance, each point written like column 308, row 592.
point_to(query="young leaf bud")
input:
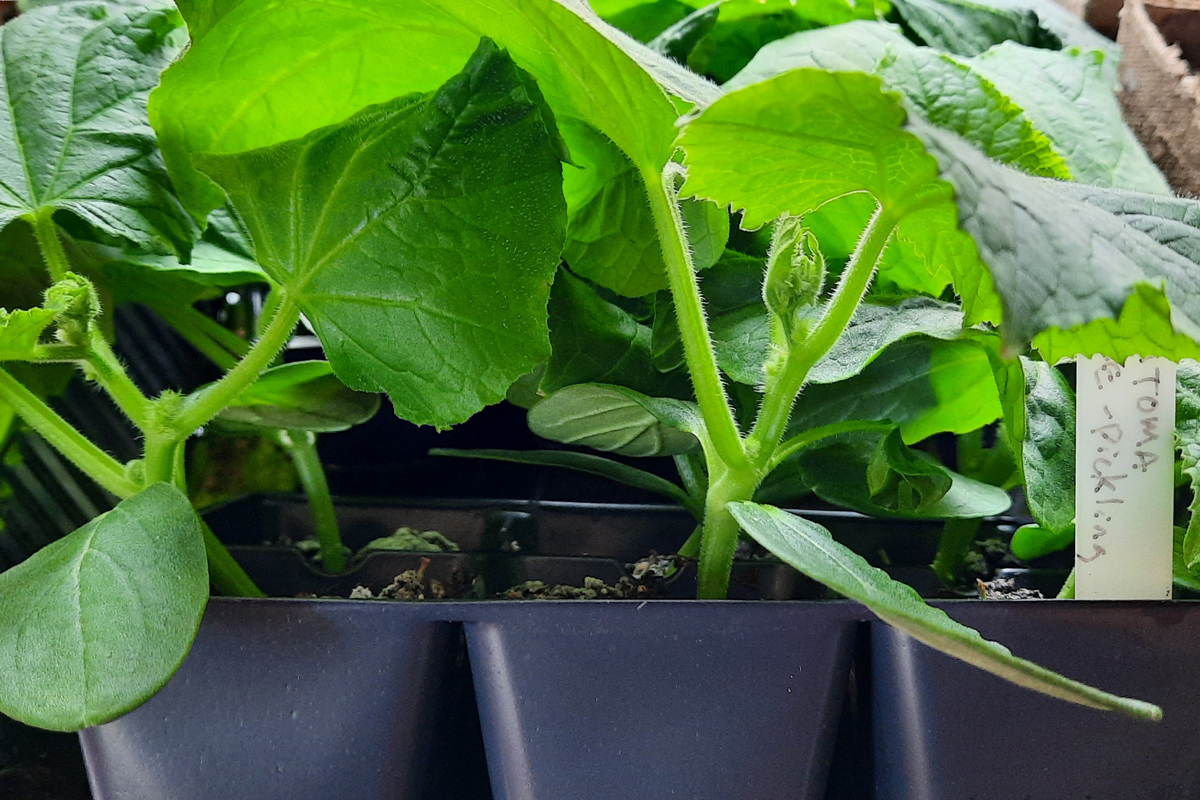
column 76, row 305
column 795, row 272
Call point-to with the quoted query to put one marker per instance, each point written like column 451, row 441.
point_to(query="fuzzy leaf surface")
column 811, row 549
column 259, row 72
column 74, row 134
column 420, row 238
column 96, row 622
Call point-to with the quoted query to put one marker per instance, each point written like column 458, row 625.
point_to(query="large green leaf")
column 811, row 549
column 260, row 72
column 420, row 237
column 74, row 135
column 302, row 396
column 595, row 341
column 921, row 384
column 1069, row 95
column 614, row 419
column 795, row 142
column 947, row 91
column 968, row 28
column 1113, row 289
column 96, row 622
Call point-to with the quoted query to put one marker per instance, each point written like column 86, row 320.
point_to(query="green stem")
column 161, row 457
column 1067, row 592
column 51, row 246
column 957, row 537
column 219, row 344
column 302, row 446
column 97, row 464
column 59, row 353
column 807, row 439
column 225, row 574
column 205, row 404
column 781, row 394
column 718, row 540
column 105, row 368
column 693, row 329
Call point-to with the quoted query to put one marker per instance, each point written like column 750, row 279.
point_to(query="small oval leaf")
column 96, row 622
column 610, row 419
column 304, row 396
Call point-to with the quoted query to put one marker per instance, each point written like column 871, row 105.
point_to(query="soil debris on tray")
column 1006, row 589
column 592, row 589
column 408, row 585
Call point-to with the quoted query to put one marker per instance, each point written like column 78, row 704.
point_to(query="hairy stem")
column 51, row 246
column 205, row 404
column 103, row 366
column 693, row 328
column 782, row 392
column 719, row 538
column 75, row 447
column 225, row 574
column 302, row 446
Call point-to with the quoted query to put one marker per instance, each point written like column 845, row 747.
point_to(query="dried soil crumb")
column 592, row 589
column 1006, row 589
column 408, row 585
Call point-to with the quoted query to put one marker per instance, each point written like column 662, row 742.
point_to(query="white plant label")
column 1124, row 478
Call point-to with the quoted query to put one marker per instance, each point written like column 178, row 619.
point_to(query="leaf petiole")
column 51, row 246
column 302, row 447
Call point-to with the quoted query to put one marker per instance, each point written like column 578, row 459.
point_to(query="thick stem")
column 225, row 574
column 207, row 403
column 162, row 458
column 781, row 394
column 97, row 464
column 51, row 246
column 302, row 445
column 693, row 328
column 718, row 541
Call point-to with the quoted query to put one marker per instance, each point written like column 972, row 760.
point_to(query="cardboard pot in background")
column 1160, row 91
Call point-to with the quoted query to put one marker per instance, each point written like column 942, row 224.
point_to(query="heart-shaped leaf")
column 419, row 237
column 302, row 396
column 289, row 75
column 96, row 622
column 811, row 549
column 74, row 135
column 616, row 420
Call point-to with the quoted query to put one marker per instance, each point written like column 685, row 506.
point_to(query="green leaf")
column 1104, row 294
column 614, row 419
column 591, row 464
column 290, row 73
column 811, row 549
column 947, row 91
column 1187, row 438
column 968, row 28
column 900, row 479
column 611, row 238
column 791, row 144
column 679, row 40
column 148, row 278
column 419, row 237
column 594, row 341
column 1033, row 541
column 301, row 396
column 1182, row 576
column 74, row 135
column 1048, row 448
column 841, row 474
column 95, row 623
column 641, row 20
column 1070, row 96
column 20, row 332
column 924, row 385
